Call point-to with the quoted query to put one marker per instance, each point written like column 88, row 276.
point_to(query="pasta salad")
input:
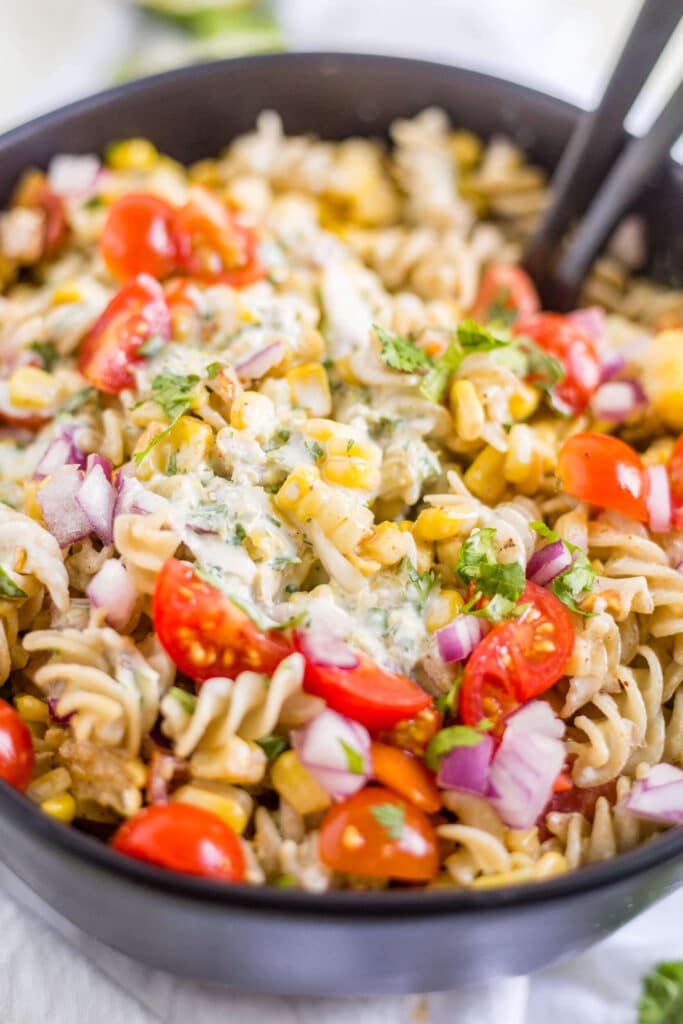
column 327, row 558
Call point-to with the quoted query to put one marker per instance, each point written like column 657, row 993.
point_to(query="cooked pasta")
column 317, row 536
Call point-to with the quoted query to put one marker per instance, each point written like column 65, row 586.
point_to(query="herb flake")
column 400, row 353
column 391, row 817
column 8, row 587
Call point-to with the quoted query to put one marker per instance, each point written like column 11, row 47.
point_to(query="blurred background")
column 53, row 51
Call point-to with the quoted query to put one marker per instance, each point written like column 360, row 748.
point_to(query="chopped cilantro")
column 662, row 998
column 213, row 369
column 8, row 587
column 349, row 445
column 453, row 736
column 378, row 618
column 391, row 817
column 280, row 561
column 93, row 203
column 401, row 353
column 279, row 438
column 239, row 535
column 187, row 700
column 285, row 881
column 300, row 619
column 503, row 582
column 447, row 702
column 527, row 360
column 273, row 746
column 470, row 337
column 172, row 466
column 576, row 581
column 475, row 338
column 354, row 759
column 316, row 450
column 383, row 428
column 173, row 393
column 47, row 352
column 420, row 585
column 78, row 400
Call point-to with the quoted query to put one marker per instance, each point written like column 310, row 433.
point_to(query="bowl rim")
column 395, row 903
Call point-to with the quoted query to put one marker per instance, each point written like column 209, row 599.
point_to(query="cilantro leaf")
column 577, row 580
column 315, row 449
column 391, row 817
column 436, row 381
column 475, row 338
column 447, row 702
column 447, row 739
column 400, row 353
column 272, row 746
column 47, row 352
column 213, row 369
column 8, row 587
column 285, row 881
column 662, row 998
column 420, row 585
column 187, row 700
column 173, row 393
column 503, row 582
column 524, row 357
column 354, row 759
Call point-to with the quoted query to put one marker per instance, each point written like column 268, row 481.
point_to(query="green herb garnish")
column 213, row 369
column 173, row 393
column 453, row 736
column 400, row 353
column 240, row 534
column 273, row 746
column 576, row 581
column 78, row 400
column 420, row 585
column 315, row 449
column 503, row 582
column 391, row 817
column 8, row 587
column 470, row 337
column 662, row 998
column 47, row 352
column 354, row 760
column 187, row 700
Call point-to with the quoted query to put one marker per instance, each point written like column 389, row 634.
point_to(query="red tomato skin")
column 604, row 471
column 205, row 633
column 181, row 837
column 213, row 247
column 17, row 757
column 35, row 192
column 138, row 237
column 559, row 336
column 675, row 469
column 507, row 287
column 369, row 850
column 367, row 693
column 136, row 313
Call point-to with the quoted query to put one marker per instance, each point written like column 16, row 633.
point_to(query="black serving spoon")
column 598, row 177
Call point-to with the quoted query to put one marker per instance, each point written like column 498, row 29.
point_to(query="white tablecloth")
column 54, row 50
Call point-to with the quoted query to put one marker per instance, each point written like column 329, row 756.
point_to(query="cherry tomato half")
column 519, row 659
column 406, row 775
column 17, row 758
column 604, row 471
column 675, row 468
column 35, row 192
column 137, row 237
column 185, row 838
column 366, row 693
column 212, row 245
column 137, row 312
column 559, row 336
column 204, row 632
column 505, row 293
column 378, row 834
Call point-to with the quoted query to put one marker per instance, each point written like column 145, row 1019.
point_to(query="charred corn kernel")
column 466, row 148
column 659, row 452
column 254, row 412
column 299, row 485
column 663, row 376
column 31, row 506
column 485, row 476
column 62, row 807
column 231, row 805
column 467, row 410
column 68, row 291
column 31, row 388
column 368, row 566
column 132, row 155
column 31, row 709
column 524, row 402
column 297, row 786
column 441, row 523
column 387, row 544
column 310, row 388
column 442, row 608
column 550, row 864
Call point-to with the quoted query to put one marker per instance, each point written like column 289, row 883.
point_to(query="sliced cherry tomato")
column 675, row 468
column 36, row 193
column 519, row 659
column 505, row 293
column 604, row 471
column 366, row 693
column 17, row 758
column 574, row 799
column 137, row 313
column 138, row 238
column 559, row 336
column 212, row 245
column 204, row 632
column 406, row 775
column 186, row 305
column 185, row 838
column 378, row 834
column 563, row 782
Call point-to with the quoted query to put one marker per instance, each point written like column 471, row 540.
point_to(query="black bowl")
column 270, row 940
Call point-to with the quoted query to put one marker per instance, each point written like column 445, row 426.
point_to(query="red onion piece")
column 536, row 716
column 659, row 499
column 165, row 773
column 260, row 363
column 52, row 702
column 467, row 767
column 591, row 320
column 57, row 499
column 73, row 176
column 323, row 648
column 328, row 746
column 616, row 400
column 62, row 451
column 611, row 364
column 96, row 498
column 132, row 498
column 457, row 640
column 99, row 460
column 113, row 589
column 659, row 796
column 547, row 563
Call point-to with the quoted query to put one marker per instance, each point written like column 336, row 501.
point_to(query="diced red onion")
column 611, row 364
column 132, row 498
column 325, row 747
column 73, row 176
column 617, row 400
column 165, row 772
column 52, row 702
column 547, row 563
column 113, row 589
column 261, row 362
column 57, row 499
column 62, row 451
column 99, row 460
column 526, row 764
column 659, row 796
column 467, row 767
column 591, row 320
column 96, row 498
column 659, row 499
column 457, row 640
column 323, row 648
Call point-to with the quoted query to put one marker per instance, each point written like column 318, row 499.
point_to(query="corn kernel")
column 387, row 544
column 31, row 506
column 62, row 807
column 524, row 402
column 297, row 786
column 441, row 523
column 310, row 388
column 663, row 376
column 300, row 482
column 31, row 709
column 467, row 410
column 32, row 388
column 466, row 148
column 353, row 473
column 65, row 293
column 320, row 429
column 205, row 172
column 254, row 412
column 132, row 155
column 226, row 802
column 550, row 864
column 442, row 608
column 485, row 476
column 659, row 452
